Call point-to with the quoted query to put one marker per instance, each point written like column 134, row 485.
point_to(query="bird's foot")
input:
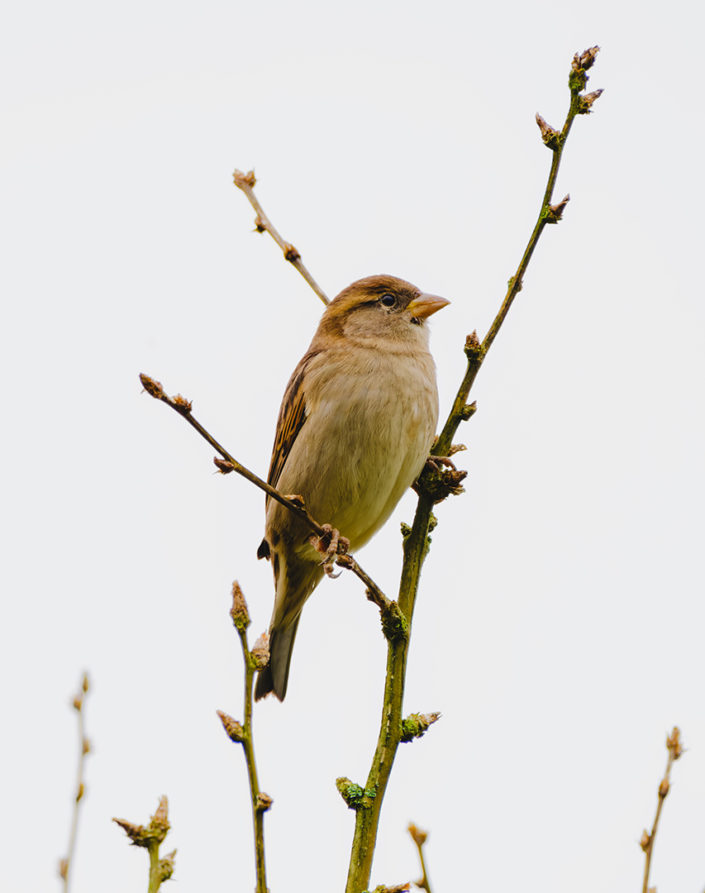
column 439, row 478
column 330, row 544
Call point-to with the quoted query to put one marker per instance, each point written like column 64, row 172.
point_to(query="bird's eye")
column 388, row 300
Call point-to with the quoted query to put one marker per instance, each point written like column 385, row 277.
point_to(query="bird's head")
column 381, row 309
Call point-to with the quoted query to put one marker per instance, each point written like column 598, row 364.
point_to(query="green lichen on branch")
column 354, row 794
column 417, row 724
column 394, row 625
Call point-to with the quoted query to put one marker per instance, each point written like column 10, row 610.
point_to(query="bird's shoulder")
column 292, row 414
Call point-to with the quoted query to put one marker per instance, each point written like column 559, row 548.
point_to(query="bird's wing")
column 292, row 416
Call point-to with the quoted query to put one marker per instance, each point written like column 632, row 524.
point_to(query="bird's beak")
column 425, row 305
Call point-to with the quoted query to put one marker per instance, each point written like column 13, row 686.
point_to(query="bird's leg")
column 330, row 544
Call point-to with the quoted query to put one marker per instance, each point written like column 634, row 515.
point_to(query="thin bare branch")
column 675, row 750
column 244, row 734
column 295, row 504
column 419, row 837
column 246, row 183
column 78, row 703
column 416, row 540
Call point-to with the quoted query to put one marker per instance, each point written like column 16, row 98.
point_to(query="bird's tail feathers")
column 275, row 676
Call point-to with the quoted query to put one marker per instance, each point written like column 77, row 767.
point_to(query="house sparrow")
column 354, row 431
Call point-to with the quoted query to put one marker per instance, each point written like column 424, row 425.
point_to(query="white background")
column 560, row 623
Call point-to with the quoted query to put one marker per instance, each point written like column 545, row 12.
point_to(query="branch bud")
column 550, row 136
column 416, row 725
column 244, row 181
column 585, row 102
column 166, row 866
column 417, row 835
column 181, row 404
column 223, row 465
column 260, row 651
column 354, row 795
column 155, row 831
column 233, row 729
column 664, row 788
column 473, row 348
column 239, row 613
column 585, row 60
column 554, row 213
column 152, row 387
column 673, row 743
column 468, row 410
column 581, row 63
column 291, row 254
column 645, row 841
column 264, row 802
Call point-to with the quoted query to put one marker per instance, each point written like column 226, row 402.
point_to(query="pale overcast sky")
column 560, row 621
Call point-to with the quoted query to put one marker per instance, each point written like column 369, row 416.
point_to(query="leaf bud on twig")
column 166, row 866
column 554, row 213
column 673, row 743
column 244, row 181
column 260, row 651
column 550, row 136
column 586, row 101
column 152, row 386
column 416, row 725
column 239, row 613
column 417, row 835
column 264, row 802
column 233, row 729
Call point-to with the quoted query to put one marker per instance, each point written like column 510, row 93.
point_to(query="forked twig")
column 246, row 183
column 151, row 836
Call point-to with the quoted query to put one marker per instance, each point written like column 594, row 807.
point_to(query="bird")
column 354, row 431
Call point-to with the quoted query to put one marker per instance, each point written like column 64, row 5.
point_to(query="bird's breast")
column 368, row 430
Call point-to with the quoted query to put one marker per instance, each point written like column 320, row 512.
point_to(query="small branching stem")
column 419, row 837
column 416, row 542
column 151, row 837
column 246, row 183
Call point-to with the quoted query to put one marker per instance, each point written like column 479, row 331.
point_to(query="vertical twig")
column 419, row 837
column 66, row 864
column 416, row 543
column 675, row 750
column 243, row 734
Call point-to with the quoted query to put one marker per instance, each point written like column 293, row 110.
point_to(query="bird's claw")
column 439, row 478
column 439, row 462
column 330, row 544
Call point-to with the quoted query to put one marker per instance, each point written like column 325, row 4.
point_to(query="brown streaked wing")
column 292, row 415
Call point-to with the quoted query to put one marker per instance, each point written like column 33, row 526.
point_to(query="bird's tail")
column 275, row 676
